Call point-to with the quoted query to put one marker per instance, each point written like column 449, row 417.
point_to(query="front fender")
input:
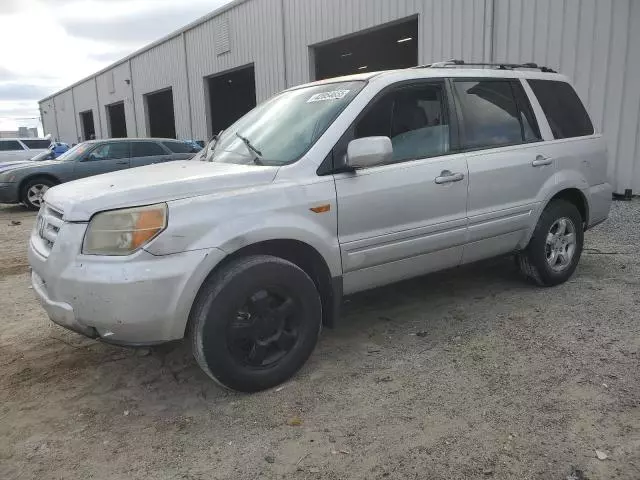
column 276, row 212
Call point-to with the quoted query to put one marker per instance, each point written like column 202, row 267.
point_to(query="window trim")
column 510, row 81
column 329, row 165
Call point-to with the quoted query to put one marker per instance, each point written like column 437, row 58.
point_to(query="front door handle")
column 121, row 163
column 541, row 161
column 447, row 177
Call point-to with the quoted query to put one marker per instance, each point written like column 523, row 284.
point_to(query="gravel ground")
column 459, row 375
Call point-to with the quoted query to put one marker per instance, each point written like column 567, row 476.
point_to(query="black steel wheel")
column 255, row 323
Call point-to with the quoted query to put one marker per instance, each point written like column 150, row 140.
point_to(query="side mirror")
column 369, row 152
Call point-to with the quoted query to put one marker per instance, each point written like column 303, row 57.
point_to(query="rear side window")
column 179, row 147
column 38, row 144
column 146, row 149
column 490, row 116
column 564, row 110
column 9, row 145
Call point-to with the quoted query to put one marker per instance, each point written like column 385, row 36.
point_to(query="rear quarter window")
column 563, row 108
column 179, row 147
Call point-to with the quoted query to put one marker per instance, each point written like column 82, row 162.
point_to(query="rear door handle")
column 541, row 161
column 447, row 177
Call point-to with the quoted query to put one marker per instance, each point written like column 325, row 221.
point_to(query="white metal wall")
column 112, row 88
column 65, row 115
column 597, row 44
column 161, row 67
column 255, row 37
column 447, row 28
column 84, row 96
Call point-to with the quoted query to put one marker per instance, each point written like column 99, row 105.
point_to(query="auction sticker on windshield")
column 333, row 95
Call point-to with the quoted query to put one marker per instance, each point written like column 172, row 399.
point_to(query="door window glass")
column 181, row 147
column 489, row 114
column 413, row 118
column 565, row 112
column 530, row 129
column 146, row 149
column 37, row 143
column 9, row 145
column 109, row 151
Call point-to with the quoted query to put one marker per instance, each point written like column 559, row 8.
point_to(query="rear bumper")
column 600, row 199
column 9, row 193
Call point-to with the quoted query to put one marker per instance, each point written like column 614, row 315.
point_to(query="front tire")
column 33, row 191
column 255, row 323
column 555, row 248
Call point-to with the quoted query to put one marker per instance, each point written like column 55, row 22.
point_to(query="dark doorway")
column 88, row 127
column 160, row 116
column 231, row 95
column 382, row 48
column 116, row 120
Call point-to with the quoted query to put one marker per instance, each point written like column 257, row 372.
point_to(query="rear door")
column 107, row 157
column 408, row 217
column 508, row 163
column 147, row 152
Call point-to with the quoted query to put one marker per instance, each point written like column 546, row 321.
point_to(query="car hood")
column 162, row 182
column 22, row 164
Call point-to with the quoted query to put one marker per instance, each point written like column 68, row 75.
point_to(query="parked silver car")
column 324, row 190
column 17, row 149
column 27, row 181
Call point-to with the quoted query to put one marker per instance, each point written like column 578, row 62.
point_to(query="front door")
column 408, row 217
column 508, row 163
column 107, row 157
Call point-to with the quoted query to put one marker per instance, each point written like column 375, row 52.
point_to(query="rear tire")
column 255, row 323
column 555, row 247
column 33, row 191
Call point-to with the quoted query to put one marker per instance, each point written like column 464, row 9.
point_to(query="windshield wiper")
column 258, row 154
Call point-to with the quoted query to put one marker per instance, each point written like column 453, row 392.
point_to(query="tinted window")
column 565, row 112
column 8, row 145
column 146, row 149
column 37, row 143
column 180, row 147
column 488, row 113
column 112, row 150
column 414, row 118
column 530, row 129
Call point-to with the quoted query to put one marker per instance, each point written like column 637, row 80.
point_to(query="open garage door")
column 231, row 95
column 117, row 124
column 161, row 119
column 88, row 127
column 383, row 48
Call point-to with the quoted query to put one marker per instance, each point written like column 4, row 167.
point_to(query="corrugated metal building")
column 274, row 44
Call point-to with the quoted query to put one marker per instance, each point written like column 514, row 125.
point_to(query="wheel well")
column 577, row 198
column 308, row 259
column 24, row 182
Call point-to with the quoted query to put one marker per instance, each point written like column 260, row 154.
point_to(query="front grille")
column 48, row 226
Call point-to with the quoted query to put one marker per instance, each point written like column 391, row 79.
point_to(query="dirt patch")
column 465, row 374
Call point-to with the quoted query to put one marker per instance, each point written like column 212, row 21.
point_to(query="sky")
column 46, row 45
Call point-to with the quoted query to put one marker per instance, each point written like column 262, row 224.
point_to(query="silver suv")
column 324, row 190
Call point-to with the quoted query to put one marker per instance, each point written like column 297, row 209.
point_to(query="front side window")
column 284, row 128
column 110, row 151
column 37, row 144
column 564, row 110
column 414, row 118
column 489, row 115
column 146, row 149
column 10, row 145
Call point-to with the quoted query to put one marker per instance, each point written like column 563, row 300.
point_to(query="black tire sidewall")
column 221, row 305
column 536, row 251
column 35, row 181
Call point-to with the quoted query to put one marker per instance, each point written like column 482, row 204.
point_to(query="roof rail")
column 499, row 66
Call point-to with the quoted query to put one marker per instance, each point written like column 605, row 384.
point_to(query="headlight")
column 122, row 232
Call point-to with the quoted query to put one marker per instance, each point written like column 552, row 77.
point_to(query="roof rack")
column 499, row 66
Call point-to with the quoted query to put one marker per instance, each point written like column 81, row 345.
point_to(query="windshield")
column 284, row 128
column 46, row 155
column 74, row 153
